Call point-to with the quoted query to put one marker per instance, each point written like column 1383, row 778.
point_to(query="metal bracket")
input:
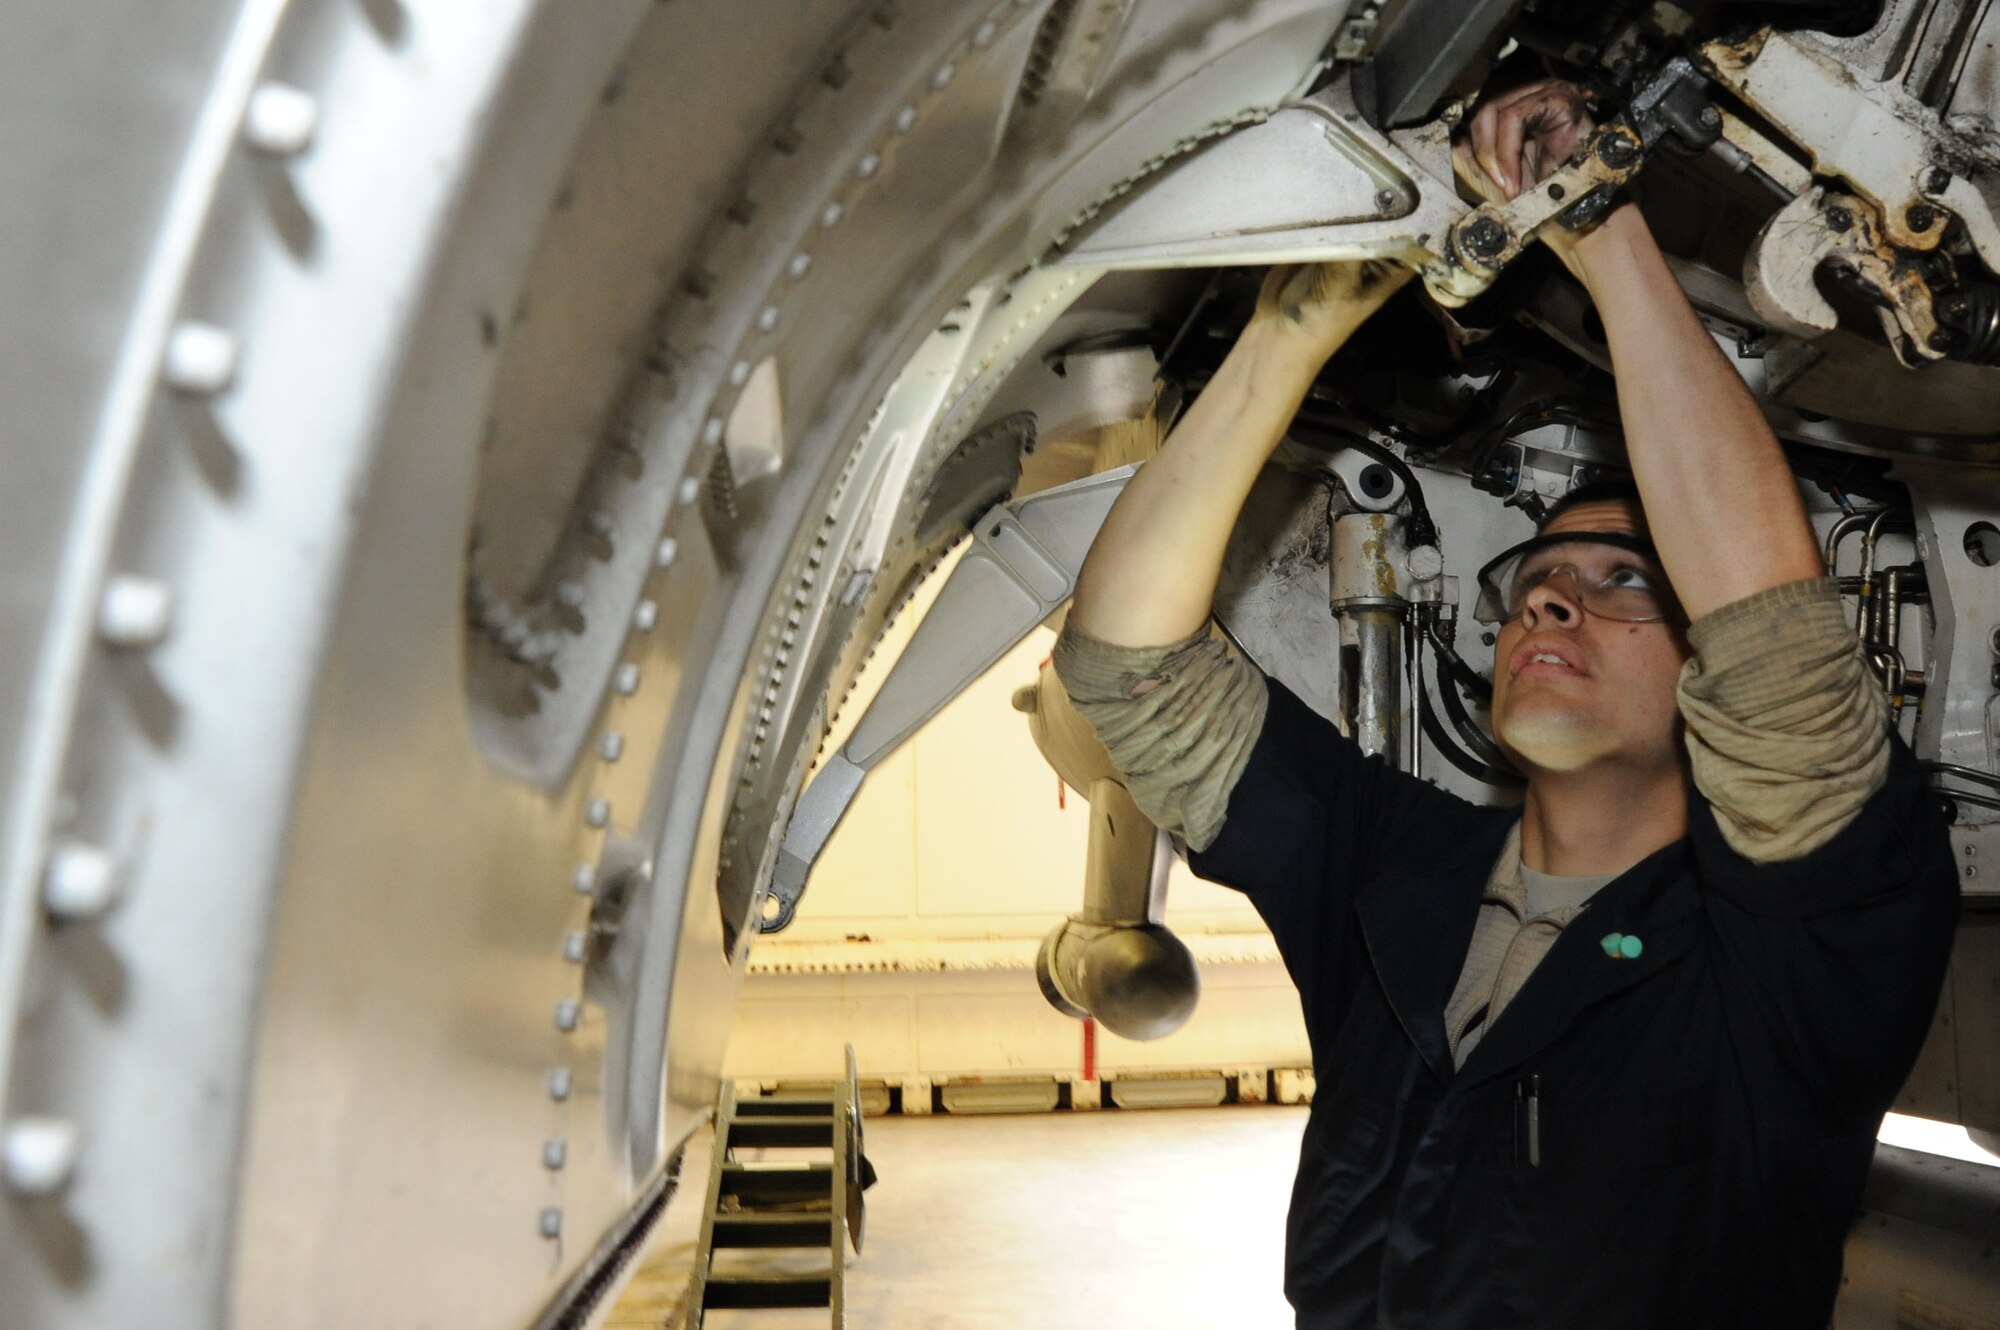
column 1021, row 567
column 1818, row 228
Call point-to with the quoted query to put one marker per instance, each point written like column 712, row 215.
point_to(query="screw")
column 612, row 746
column 201, row 359
column 38, row 1155
column 1486, row 638
column 1709, row 117
column 1618, row 151
column 1386, row 201
column 690, row 489
column 567, row 1014
column 584, row 879
column 559, row 1083
column 1921, row 217
column 81, row 881
column 135, row 612
column 573, row 947
column 597, row 812
column 801, row 265
column 1557, row 192
column 645, row 614
column 626, row 679
column 1971, row 851
column 663, row 557
column 554, row 1153
column 1839, row 218
column 280, row 120
column 1939, row 340
column 1937, row 180
column 551, row 1222
column 1485, row 238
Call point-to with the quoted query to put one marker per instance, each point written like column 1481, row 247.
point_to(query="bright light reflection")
column 1938, row 1138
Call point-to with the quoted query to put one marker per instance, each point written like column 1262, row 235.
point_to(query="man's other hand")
column 1317, row 306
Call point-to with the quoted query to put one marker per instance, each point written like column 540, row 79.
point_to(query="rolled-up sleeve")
column 1787, row 731
column 1179, row 721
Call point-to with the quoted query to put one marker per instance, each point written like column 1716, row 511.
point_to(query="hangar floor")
column 1063, row 1221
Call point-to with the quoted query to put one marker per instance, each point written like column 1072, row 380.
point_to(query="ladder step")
column 753, row 1185
column 779, row 1105
column 768, row 1291
column 782, row 1131
column 783, row 1230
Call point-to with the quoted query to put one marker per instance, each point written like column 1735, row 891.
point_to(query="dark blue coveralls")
column 1704, row 1114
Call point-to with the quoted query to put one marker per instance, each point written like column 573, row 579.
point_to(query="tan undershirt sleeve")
column 1788, row 731
column 1179, row 721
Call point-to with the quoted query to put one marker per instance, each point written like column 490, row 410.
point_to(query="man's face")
column 1611, row 696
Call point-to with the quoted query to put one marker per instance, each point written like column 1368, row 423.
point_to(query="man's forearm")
column 1151, row 575
column 1720, row 498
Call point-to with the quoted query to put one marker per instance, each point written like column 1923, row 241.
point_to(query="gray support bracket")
column 1020, row 569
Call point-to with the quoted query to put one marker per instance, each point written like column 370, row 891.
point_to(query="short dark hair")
column 1611, row 489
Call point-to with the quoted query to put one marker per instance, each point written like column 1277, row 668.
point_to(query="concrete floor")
column 1062, row 1221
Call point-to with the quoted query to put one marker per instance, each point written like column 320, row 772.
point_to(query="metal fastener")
column 601, row 523
column 767, row 319
column 801, row 265
column 551, row 1222
column 739, row 373
column 982, row 37
column 81, row 881
column 626, row 678
column 135, row 612
column 663, row 557
column 1485, row 238
column 1709, row 117
column 201, row 359
column 597, row 812
column 690, row 489
column 567, row 1014
column 711, row 431
column 645, row 614
column 281, row 120
column 559, row 1084
column 943, row 77
column 830, row 216
column 1386, row 201
column 868, row 165
column 575, row 946
column 584, row 879
column 612, row 746
column 554, row 1152
column 1940, row 340
column 570, row 594
column 1937, row 180
column 1839, row 218
column 38, row 1155
column 1920, row 216
column 1618, row 151
column 906, row 119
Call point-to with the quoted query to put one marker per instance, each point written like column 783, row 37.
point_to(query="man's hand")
column 1519, row 137
column 1317, row 306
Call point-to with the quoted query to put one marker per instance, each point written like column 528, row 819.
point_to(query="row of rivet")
column 82, row 881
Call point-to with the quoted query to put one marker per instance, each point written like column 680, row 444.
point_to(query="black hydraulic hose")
column 1471, row 680
column 1485, row 762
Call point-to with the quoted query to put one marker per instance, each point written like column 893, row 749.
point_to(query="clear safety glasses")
column 1609, row 574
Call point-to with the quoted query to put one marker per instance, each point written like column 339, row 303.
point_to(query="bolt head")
column 568, row 1013
column 1709, row 117
column 1940, row 340
column 560, row 1081
column 38, row 1155
column 1617, row 151
column 1839, row 218
column 201, row 359
column 1485, row 238
column 551, row 1222
column 135, row 612
column 1921, row 217
column 280, row 120
column 81, row 881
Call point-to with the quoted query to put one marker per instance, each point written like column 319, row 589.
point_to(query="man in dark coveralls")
column 1615, row 1058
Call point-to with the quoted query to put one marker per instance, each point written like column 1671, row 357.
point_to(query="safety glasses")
column 1609, row 574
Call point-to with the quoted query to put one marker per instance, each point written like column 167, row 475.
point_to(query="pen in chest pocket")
column 1528, row 1096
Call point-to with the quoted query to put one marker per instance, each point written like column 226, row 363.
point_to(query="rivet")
column 559, row 1084
column 1971, row 851
column 597, row 812
column 906, row 119
column 868, row 165
column 38, row 1155
column 767, row 319
column 944, row 76
column 281, row 120
column 711, row 433
column 554, row 1153
column 601, row 523
column 573, row 948
column 135, row 612
column 612, row 746
column 690, row 489
column 801, row 265
column 567, row 1013
column 739, row 373
column 81, row 881
column 983, row 37
column 201, row 359
column 626, row 678
column 1970, row 871
column 584, row 879
column 570, row 594
column 830, row 216
column 551, row 1222
column 664, row 555
column 645, row 614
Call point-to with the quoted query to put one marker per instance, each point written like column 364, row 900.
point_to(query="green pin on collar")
column 1622, row 946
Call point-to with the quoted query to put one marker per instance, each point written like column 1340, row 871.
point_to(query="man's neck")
column 1601, row 820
